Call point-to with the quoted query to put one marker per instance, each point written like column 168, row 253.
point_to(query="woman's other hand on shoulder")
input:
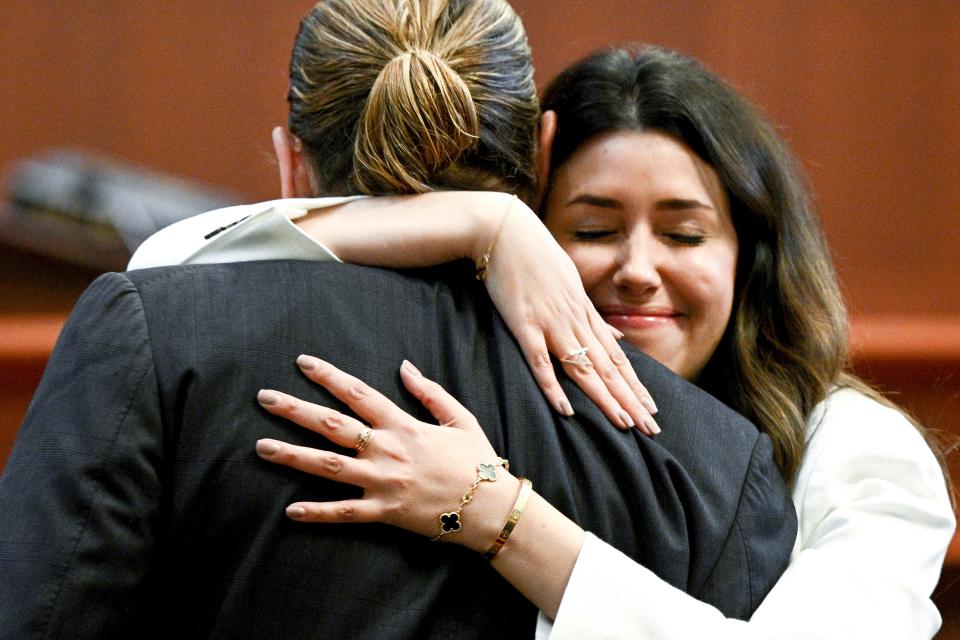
column 537, row 289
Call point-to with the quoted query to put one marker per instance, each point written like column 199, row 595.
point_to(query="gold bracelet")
column 484, row 261
column 526, row 488
column 452, row 520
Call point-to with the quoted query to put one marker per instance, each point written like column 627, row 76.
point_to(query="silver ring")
column 366, row 435
column 577, row 357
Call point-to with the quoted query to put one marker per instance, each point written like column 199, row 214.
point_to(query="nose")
column 638, row 268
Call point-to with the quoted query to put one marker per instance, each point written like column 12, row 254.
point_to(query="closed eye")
column 592, row 234
column 686, row 239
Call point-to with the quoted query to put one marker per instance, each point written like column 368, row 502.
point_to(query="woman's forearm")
column 531, row 280
column 412, row 231
column 541, row 550
column 540, row 554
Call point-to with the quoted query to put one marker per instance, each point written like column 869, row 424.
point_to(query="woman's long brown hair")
column 786, row 345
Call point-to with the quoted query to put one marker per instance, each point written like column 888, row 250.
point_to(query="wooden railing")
column 26, row 342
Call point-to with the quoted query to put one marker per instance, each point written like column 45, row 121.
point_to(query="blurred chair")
column 94, row 212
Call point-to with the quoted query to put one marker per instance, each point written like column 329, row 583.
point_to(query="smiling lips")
column 638, row 317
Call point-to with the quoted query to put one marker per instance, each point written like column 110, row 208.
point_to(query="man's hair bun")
column 405, row 96
column 418, row 120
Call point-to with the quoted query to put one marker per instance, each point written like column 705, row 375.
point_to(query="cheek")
column 710, row 285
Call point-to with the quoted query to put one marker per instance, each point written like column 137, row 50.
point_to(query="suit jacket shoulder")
column 83, row 487
column 166, row 518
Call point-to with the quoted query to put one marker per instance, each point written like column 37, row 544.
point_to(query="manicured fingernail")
column 307, row 363
column 293, row 511
column 616, row 332
column 652, row 425
column 267, row 447
column 267, row 397
column 626, row 419
column 412, row 369
column 565, row 407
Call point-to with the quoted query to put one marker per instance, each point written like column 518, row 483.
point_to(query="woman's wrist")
column 493, row 509
column 539, row 557
column 490, row 213
column 482, row 518
column 526, row 488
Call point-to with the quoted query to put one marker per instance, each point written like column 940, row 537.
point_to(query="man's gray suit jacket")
column 134, row 505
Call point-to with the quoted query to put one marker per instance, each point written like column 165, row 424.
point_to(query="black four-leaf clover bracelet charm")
column 453, row 520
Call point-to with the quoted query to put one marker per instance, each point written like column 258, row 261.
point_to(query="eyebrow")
column 596, row 201
column 668, row 204
column 681, row 204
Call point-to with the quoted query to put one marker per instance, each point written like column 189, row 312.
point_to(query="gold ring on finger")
column 366, row 435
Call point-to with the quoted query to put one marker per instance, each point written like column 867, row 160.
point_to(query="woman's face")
column 648, row 226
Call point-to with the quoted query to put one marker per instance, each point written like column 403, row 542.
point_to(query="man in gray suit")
column 134, row 504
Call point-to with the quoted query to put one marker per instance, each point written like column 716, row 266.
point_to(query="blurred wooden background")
column 867, row 92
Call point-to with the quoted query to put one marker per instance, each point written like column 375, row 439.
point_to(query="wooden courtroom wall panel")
column 190, row 88
column 867, row 92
